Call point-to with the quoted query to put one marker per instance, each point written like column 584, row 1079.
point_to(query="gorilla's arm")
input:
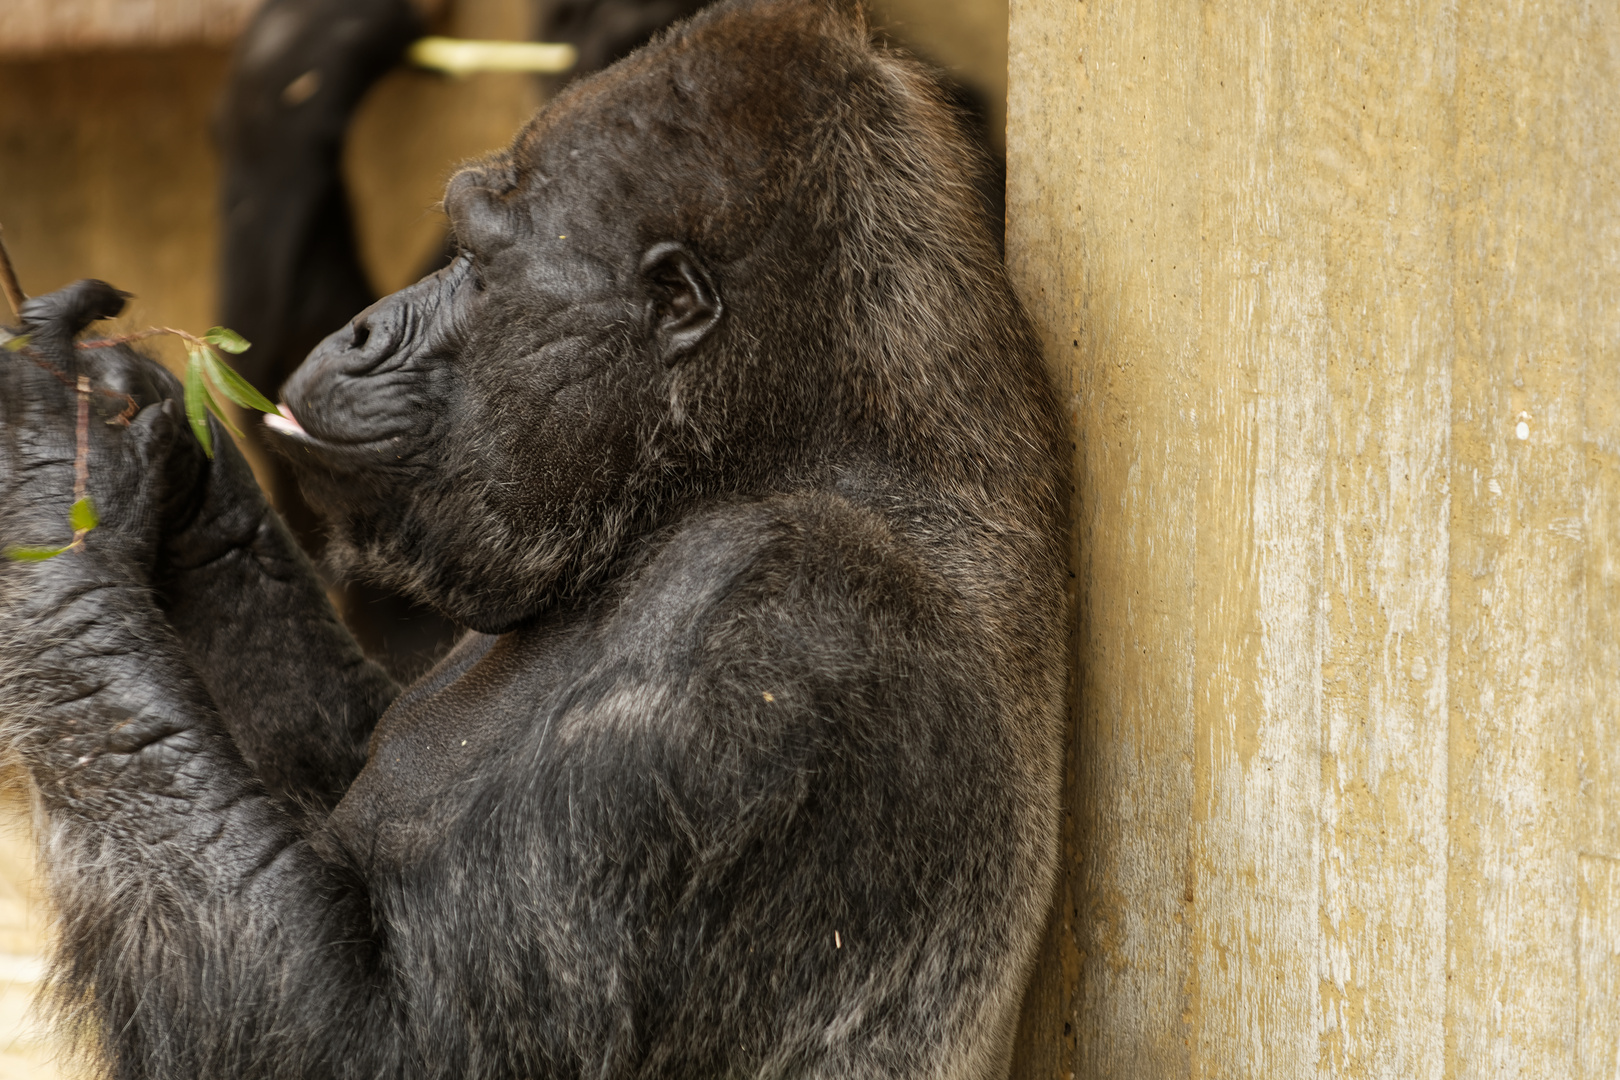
column 199, row 922
column 201, row 934
column 296, row 693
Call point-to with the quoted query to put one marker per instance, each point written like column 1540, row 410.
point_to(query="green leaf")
column 83, row 516
column 235, row 387
column 197, row 401
column 33, row 554
column 18, row 342
column 227, row 339
column 224, row 417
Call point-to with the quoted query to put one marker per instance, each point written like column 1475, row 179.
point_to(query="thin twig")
column 81, row 457
column 139, row 335
column 130, row 407
column 8, row 279
column 81, row 462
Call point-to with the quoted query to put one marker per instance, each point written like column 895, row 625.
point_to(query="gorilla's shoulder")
column 795, row 604
column 814, row 568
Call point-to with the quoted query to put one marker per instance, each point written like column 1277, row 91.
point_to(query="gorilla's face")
column 510, row 397
column 629, row 326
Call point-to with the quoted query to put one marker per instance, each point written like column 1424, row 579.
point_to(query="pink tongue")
column 283, row 421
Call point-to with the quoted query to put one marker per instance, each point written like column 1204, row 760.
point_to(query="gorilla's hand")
column 142, row 467
column 185, row 547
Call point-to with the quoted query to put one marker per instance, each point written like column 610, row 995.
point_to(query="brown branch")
column 8, row 278
column 139, row 335
column 81, row 456
column 81, row 460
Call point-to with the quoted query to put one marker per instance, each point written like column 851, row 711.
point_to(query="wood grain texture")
column 1597, row 1053
column 1346, row 782
column 33, row 27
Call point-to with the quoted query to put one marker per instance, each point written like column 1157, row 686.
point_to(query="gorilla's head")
column 744, row 259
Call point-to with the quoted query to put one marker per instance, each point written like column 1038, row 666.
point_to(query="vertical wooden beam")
column 1257, row 651
column 1518, row 598
column 1086, row 216
column 1377, row 141
column 1346, row 784
column 1597, row 1050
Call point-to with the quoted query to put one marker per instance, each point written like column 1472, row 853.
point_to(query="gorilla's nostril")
column 362, row 334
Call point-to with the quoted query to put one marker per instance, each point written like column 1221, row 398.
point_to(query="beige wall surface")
column 35, row 27
column 1333, row 296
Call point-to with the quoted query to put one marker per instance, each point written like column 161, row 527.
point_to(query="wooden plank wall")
column 1333, row 293
column 36, row 27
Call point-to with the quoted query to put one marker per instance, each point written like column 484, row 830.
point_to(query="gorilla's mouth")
column 341, row 455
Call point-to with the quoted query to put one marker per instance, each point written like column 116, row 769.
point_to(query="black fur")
column 728, row 433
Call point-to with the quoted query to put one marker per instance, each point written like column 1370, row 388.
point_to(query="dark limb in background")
column 605, row 30
column 291, row 272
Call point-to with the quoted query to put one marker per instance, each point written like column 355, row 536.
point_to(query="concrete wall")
column 1333, row 295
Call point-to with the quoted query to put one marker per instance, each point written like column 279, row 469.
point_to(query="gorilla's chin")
column 493, row 577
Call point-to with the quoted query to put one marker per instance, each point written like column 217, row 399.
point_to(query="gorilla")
column 725, row 435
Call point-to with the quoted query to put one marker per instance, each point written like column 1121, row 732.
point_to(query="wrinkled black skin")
column 198, row 538
column 727, row 435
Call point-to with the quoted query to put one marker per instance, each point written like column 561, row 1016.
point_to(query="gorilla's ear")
column 686, row 305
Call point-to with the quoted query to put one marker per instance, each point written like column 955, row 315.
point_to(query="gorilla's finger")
column 160, row 440
column 59, row 316
column 148, row 447
column 121, row 375
column 39, row 379
column 34, row 388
